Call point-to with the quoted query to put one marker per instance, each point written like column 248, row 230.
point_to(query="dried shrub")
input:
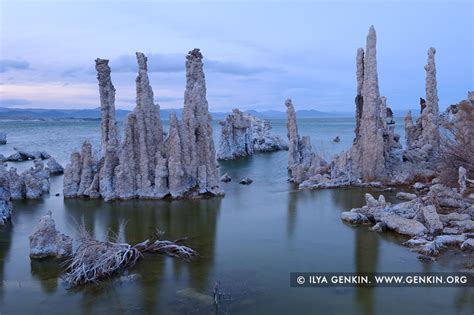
column 457, row 145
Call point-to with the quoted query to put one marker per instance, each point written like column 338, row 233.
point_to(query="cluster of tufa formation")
column 145, row 164
column 303, row 163
column 423, row 137
column 31, row 184
column 5, row 201
column 243, row 134
column 421, row 218
column 376, row 154
column 375, row 147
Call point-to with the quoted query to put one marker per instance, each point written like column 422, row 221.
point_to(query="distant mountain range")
column 94, row 114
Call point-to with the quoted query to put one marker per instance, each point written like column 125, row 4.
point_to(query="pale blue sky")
column 257, row 52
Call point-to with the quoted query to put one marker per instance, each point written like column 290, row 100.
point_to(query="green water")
column 249, row 241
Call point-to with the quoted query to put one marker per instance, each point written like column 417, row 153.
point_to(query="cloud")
column 167, row 99
column 235, row 68
column 170, row 63
column 14, row 102
column 8, row 64
column 156, row 63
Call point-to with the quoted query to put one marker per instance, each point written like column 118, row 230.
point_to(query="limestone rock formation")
column 3, row 138
column 262, row 139
column 109, row 131
column 376, row 151
column 303, row 163
column 243, row 134
column 5, row 201
column 146, row 164
column 30, row 184
column 46, row 241
column 53, row 167
column 423, row 137
column 236, row 139
column 23, row 155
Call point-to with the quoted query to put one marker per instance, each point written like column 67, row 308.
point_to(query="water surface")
column 249, row 241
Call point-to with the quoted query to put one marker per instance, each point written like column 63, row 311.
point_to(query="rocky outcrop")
column 146, row 164
column 405, row 196
column 236, row 138
column 22, row 155
column 262, row 138
column 5, row 201
column 419, row 218
column 303, row 163
column 31, row 184
column 53, row 167
column 243, row 134
column 376, row 152
column 46, row 241
column 3, row 138
column 423, row 137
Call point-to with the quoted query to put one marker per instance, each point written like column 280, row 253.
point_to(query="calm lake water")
column 249, row 241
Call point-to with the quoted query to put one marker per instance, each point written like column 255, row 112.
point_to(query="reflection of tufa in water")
column 146, row 164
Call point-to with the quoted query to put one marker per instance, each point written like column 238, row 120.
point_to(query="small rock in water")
column 226, row 178
column 426, row 259
column 468, row 244
column 3, row 138
column 246, row 181
column 337, row 139
column 419, row 186
column 192, row 294
column 405, row 196
column 354, row 217
column 46, row 241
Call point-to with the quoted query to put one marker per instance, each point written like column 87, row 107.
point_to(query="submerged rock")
column 46, row 241
column 145, row 164
column 226, row 178
column 246, row 181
